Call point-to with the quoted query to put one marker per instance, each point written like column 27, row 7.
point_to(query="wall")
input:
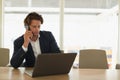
column 118, row 54
column 68, row 3
column 0, row 23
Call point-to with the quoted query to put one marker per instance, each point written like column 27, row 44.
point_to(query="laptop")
column 52, row 64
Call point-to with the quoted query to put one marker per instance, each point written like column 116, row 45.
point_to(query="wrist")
column 24, row 48
column 25, row 44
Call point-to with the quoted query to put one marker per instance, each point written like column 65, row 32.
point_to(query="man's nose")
column 36, row 28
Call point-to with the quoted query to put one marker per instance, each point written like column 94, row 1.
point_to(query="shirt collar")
column 37, row 38
column 38, row 35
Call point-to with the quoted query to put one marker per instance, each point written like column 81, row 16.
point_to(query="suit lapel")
column 30, row 49
column 41, row 42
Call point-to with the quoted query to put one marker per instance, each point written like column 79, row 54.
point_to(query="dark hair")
column 32, row 16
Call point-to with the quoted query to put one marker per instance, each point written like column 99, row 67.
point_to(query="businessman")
column 32, row 42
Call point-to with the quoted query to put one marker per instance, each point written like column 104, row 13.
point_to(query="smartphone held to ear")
column 27, row 27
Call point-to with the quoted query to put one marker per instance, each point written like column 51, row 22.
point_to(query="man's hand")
column 28, row 34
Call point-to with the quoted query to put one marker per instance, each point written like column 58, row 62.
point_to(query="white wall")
column 1, row 23
column 118, row 54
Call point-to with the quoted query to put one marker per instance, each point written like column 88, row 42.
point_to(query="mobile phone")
column 27, row 27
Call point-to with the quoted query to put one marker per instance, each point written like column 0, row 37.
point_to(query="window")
column 87, row 23
column 15, row 14
column 91, row 25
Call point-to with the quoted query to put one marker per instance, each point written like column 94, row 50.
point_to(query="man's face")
column 35, row 26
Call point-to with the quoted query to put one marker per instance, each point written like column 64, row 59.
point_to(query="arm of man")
column 18, row 54
column 19, row 49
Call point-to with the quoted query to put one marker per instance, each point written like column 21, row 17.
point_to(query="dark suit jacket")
column 47, row 44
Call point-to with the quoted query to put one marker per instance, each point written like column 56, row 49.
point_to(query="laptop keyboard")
column 29, row 72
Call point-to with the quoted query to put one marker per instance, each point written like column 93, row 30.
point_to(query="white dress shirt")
column 35, row 46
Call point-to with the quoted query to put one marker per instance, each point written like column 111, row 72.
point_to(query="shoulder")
column 45, row 33
column 19, row 40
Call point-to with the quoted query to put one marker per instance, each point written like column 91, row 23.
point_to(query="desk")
column 8, row 73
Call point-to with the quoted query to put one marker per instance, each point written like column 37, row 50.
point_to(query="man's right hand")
column 28, row 34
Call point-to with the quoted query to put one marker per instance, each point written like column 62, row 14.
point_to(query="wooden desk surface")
column 9, row 73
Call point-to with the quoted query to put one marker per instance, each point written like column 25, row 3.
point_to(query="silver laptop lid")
column 49, row 64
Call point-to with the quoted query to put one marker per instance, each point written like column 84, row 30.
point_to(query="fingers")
column 27, row 36
column 29, row 33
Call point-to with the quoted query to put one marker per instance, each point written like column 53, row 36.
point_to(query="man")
column 33, row 42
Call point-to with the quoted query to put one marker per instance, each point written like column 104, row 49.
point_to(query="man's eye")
column 33, row 26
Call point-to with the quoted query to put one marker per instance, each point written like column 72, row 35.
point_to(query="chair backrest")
column 117, row 66
column 61, row 51
column 93, row 59
column 4, row 56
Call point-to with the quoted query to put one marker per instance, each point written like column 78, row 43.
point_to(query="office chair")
column 4, row 56
column 61, row 51
column 117, row 66
column 93, row 59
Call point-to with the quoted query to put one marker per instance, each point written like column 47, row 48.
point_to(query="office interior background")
column 75, row 24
